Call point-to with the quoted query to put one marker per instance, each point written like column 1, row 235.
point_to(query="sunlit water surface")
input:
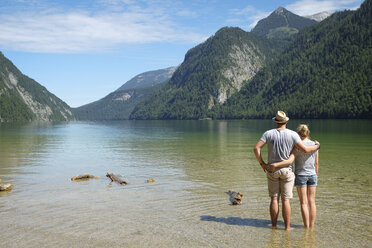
column 193, row 163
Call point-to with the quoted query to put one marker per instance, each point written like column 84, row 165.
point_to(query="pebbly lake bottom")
column 193, row 163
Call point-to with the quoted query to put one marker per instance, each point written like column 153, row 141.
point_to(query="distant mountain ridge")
column 23, row 99
column 119, row 104
column 211, row 73
column 149, row 78
column 281, row 24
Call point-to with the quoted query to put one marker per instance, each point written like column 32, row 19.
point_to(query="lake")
column 193, row 163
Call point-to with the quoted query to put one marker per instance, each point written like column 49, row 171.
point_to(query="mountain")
column 23, row 99
column 211, row 73
column 281, row 24
column 319, row 16
column 119, row 104
column 149, row 78
column 326, row 72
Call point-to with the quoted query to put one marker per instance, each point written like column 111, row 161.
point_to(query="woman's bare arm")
column 284, row 163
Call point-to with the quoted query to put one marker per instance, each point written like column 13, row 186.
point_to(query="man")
column 281, row 142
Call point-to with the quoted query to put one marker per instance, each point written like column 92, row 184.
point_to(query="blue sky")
column 83, row 50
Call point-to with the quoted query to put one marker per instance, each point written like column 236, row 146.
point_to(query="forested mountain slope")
column 325, row 73
column 211, row 73
column 281, row 24
column 23, row 99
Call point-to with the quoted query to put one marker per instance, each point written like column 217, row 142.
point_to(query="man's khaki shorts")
column 281, row 183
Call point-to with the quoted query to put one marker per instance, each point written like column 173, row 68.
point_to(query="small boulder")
column 82, row 176
column 6, row 187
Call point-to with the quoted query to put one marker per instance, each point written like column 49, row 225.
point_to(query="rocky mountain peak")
column 280, row 10
column 319, row 16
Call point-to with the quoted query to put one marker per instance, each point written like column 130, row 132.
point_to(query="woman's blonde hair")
column 303, row 130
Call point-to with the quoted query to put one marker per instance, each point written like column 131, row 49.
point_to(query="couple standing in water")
column 284, row 147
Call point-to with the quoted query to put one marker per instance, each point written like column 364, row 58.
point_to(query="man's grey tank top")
column 280, row 144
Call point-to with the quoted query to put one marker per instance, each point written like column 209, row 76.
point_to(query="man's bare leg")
column 286, row 211
column 274, row 211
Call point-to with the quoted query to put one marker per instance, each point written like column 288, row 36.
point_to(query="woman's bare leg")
column 302, row 194
column 311, row 191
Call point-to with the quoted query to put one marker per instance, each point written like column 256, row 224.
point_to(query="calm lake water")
column 193, row 163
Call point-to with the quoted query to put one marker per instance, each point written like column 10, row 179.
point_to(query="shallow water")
column 193, row 163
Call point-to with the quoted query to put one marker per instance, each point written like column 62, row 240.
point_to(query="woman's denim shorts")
column 303, row 181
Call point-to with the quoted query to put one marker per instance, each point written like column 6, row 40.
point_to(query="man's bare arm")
column 257, row 152
column 307, row 149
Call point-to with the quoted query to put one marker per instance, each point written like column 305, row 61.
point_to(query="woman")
column 306, row 172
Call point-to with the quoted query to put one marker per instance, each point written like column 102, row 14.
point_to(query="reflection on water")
column 193, row 163
column 307, row 239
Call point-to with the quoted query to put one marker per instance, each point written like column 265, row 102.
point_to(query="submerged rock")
column 83, row 176
column 6, row 187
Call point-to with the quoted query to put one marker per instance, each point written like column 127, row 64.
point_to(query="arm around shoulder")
column 308, row 149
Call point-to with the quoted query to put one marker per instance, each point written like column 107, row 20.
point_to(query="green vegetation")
column 12, row 108
column 281, row 33
column 194, row 87
column 115, row 106
column 287, row 62
column 23, row 99
column 325, row 73
column 119, row 104
column 281, row 24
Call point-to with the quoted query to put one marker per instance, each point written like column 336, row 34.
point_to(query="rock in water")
column 6, row 187
column 82, row 176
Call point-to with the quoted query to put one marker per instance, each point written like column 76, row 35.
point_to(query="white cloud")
column 309, row 7
column 187, row 13
column 249, row 15
column 86, row 31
